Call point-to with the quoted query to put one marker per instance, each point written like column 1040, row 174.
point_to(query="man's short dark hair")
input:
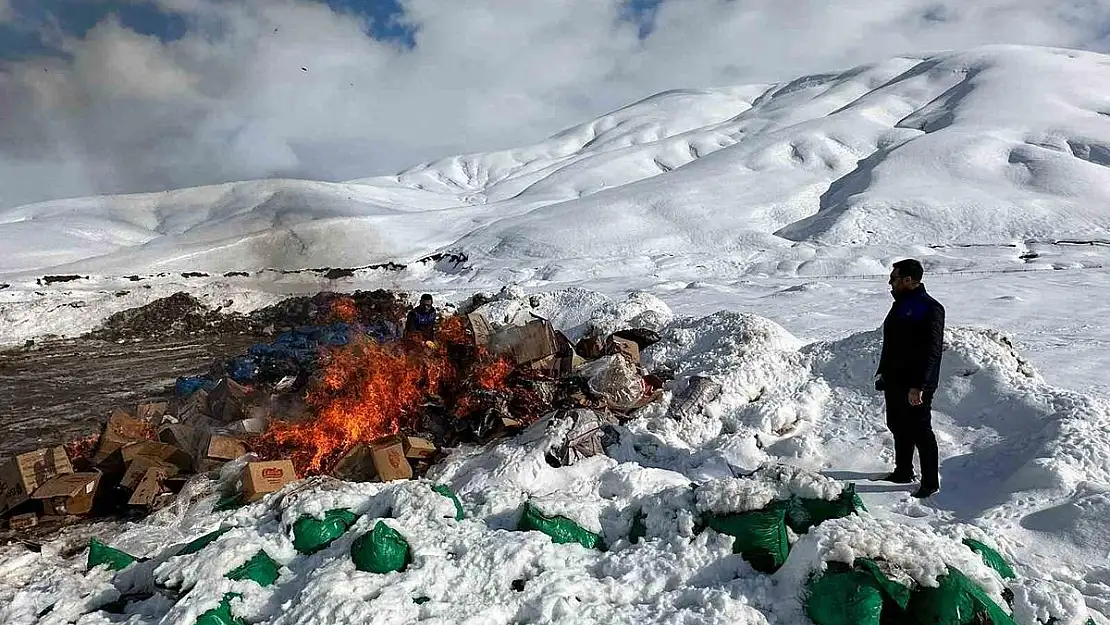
column 910, row 268
column 427, row 297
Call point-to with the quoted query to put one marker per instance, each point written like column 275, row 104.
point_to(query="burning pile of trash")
column 354, row 395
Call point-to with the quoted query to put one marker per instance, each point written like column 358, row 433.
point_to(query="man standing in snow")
column 909, row 370
column 421, row 321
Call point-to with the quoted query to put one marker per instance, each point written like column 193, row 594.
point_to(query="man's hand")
column 915, row 397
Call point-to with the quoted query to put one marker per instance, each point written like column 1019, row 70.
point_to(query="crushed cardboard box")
column 215, row 450
column 21, row 475
column 149, row 487
column 121, row 429
column 72, row 493
column 629, row 348
column 260, row 478
column 138, row 468
column 151, row 411
column 149, row 450
column 227, row 400
column 357, row 465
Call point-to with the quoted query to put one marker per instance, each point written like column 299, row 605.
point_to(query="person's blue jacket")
column 913, row 340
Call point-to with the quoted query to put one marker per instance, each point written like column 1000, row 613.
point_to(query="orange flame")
column 344, row 309
column 366, row 391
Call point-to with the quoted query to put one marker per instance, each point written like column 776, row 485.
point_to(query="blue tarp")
column 299, row 349
column 187, row 386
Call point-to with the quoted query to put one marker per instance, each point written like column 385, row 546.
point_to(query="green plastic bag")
column 99, row 553
column 844, row 596
column 381, row 550
column 221, row 614
column 202, row 542
column 760, row 535
column 898, row 594
column 311, row 534
column 992, row 558
column 956, row 601
column 229, row 502
column 804, row 513
column 561, row 529
column 446, row 491
column 261, row 569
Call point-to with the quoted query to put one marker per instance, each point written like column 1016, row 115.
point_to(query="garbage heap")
column 348, row 396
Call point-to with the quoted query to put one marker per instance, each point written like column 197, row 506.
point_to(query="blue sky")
column 29, row 33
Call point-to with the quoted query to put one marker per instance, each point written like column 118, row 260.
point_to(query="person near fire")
column 421, row 321
column 908, row 374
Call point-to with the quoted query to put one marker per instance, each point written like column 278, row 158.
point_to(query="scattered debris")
column 335, row 391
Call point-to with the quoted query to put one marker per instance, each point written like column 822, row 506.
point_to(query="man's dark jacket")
column 913, row 339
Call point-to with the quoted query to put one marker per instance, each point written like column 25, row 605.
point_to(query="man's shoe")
column 898, row 478
column 924, row 491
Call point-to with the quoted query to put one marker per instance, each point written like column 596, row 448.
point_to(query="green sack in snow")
column 956, row 601
column 760, row 535
column 561, row 529
column 992, row 558
column 311, row 534
column 844, row 596
column 202, row 542
column 381, row 550
column 261, row 569
column 804, row 513
column 99, row 553
column 221, row 614
column 446, row 491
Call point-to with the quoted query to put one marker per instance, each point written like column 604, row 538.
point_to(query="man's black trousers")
column 912, row 426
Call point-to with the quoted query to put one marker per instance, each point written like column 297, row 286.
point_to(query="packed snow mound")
column 990, row 146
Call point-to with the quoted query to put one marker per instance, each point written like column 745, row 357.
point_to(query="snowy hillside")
column 990, row 147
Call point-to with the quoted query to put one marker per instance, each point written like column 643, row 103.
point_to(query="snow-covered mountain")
column 996, row 146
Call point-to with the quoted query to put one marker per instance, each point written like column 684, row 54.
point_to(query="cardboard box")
column 389, row 459
column 481, row 329
column 121, row 429
column 21, row 475
column 617, row 345
column 357, row 465
column 524, row 344
column 151, row 411
column 158, row 452
column 22, row 522
column 253, row 425
column 260, row 478
column 148, row 488
column 226, row 401
column 418, row 448
column 138, row 468
column 217, row 449
column 72, row 493
column 179, row 435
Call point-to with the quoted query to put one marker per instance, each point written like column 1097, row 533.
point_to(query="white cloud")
column 231, row 101
column 5, row 10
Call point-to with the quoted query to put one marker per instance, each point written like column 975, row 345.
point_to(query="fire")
column 367, row 390
column 344, row 309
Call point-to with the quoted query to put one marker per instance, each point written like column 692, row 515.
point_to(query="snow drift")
column 1016, row 450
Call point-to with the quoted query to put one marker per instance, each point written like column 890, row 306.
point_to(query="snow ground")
column 753, row 226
